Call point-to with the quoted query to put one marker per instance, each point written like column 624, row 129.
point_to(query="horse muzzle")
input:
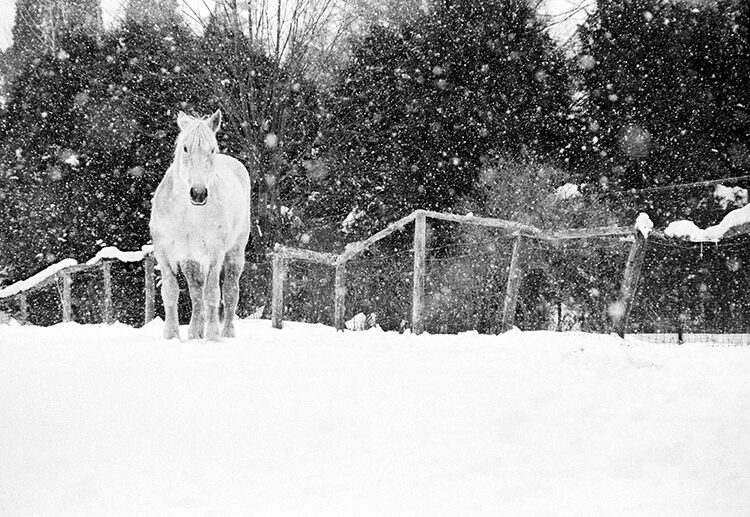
column 198, row 195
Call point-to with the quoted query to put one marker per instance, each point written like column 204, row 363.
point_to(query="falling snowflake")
column 271, row 140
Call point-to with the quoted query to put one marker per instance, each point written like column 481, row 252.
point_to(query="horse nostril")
column 198, row 195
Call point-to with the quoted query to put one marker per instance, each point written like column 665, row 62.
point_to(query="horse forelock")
column 197, row 137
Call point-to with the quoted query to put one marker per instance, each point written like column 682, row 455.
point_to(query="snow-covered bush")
column 469, row 279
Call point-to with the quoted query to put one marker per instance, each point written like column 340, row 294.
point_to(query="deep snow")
column 98, row 420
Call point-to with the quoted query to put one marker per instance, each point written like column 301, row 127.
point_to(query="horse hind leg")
column 196, row 282
column 170, row 293
column 234, row 263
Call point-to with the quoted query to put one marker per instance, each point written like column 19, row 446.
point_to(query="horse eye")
column 213, row 151
column 185, row 149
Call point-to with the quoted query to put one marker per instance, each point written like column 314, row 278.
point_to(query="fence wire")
column 694, row 293
column 687, row 292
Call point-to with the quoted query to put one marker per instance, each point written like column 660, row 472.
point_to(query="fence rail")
column 522, row 232
column 62, row 275
column 63, row 272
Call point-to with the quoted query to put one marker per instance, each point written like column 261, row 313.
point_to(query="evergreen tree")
column 42, row 131
column 668, row 95
column 87, row 136
column 669, row 103
column 418, row 111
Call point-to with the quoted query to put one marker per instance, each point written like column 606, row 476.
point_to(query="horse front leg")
column 211, row 296
column 170, row 293
column 234, row 263
column 196, row 282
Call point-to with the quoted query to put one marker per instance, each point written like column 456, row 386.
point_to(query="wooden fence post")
column 150, row 283
column 420, row 263
column 67, row 311
column 277, row 300
column 339, row 305
column 632, row 276
column 107, row 305
column 24, row 306
column 515, row 274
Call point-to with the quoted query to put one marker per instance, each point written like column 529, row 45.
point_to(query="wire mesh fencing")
column 694, row 292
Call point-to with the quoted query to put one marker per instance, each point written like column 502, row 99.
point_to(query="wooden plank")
column 277, row 298
column 586, row 233
column 79, row 267
column 515, row 275
column 420, row 264
column 150, row 288
column 532, row 231
column 107, row 316
column 53, row 278
column 67, row 310
column 328, row 259
column 355, row 248
column 621, row 308
column 484, row 221
column 24, row 306
column 340, row 297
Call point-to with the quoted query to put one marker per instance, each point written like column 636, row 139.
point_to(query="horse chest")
column 193, row 234
column 199, row 232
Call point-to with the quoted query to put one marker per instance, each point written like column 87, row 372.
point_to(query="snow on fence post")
column 621, row 309
column 420, row 260
column 24, row 306
column 67, row 312
column 277, row 300
column 148, row 272
column 107, row 302
column 339, row 302
column 515, row 274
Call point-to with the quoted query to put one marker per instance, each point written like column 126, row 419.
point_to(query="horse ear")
column 215, row 121
column 182, row 120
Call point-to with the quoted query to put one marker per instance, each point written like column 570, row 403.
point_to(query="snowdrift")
column 111, row 420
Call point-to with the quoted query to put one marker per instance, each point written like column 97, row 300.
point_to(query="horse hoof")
column 228, row 332
column 170, row 333
column 195, row 334
column 212, row 333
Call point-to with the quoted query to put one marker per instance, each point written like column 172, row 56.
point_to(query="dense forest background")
column 351, row 115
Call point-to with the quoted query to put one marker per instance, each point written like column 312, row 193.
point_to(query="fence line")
column 521, row 233
column 63, row 271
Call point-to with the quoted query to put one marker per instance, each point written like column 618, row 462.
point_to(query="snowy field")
column 98, row 420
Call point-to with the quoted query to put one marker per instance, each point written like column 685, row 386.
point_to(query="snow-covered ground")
column 98, row 420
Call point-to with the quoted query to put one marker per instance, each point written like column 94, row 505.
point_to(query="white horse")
column 200, row 224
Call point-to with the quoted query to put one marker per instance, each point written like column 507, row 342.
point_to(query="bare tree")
column 39, row 24
column 388, row 12
column 268, row 53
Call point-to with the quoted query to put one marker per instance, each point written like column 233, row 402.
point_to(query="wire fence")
column 694, row 293
column 687, row 293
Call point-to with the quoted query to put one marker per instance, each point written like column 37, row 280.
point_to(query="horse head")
column 195, row 150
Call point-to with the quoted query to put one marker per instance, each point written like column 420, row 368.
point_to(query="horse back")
column 234, row 172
